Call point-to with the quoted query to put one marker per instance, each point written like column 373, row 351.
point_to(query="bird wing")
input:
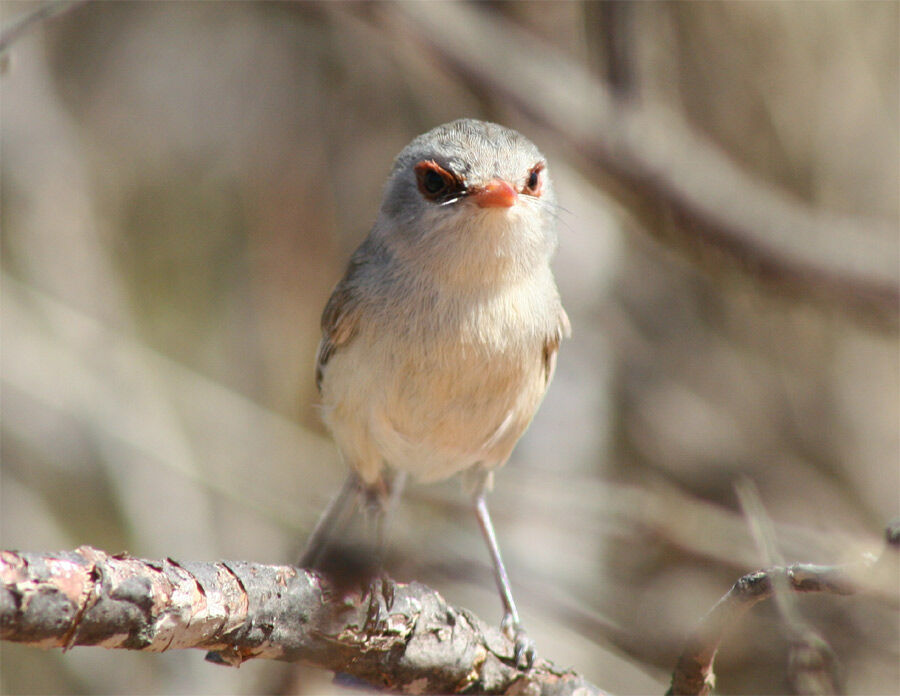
column 551, row 344
column 341, row 316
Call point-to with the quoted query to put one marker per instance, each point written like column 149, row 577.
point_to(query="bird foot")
column 524, row 648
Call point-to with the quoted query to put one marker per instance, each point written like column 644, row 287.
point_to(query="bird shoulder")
column 342, row 313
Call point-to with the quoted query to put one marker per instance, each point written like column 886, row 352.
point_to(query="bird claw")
column 524, row 648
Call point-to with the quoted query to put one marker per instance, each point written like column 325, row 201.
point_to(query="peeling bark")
column 400, row 637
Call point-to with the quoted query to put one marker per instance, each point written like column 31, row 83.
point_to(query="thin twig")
column 693, row 672
column 812, row 664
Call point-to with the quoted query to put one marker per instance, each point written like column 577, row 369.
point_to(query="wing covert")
column 341, row 316
column 551, row 344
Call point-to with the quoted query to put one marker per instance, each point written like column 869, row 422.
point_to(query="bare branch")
column 812, row 665
column 400, row 637
column 693, row 672
column 682, row 188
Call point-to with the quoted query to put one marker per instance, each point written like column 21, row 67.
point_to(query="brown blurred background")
column 181, row 186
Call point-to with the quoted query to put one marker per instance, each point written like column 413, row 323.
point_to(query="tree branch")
column 400, row 637
column 693, row 672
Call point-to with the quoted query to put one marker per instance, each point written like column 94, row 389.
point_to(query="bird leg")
column 332, row 521
column 379, row 502
column 511, row 626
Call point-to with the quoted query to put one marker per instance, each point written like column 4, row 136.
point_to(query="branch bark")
column 399, row 637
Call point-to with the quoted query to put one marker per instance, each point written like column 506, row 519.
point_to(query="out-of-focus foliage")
column 182, row 184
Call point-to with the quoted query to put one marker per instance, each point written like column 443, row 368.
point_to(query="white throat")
column 484, row 248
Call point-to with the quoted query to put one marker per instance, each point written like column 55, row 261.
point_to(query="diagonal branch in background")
column 19, row 26
column 693, row 672
column 681, row 187
column 399, row 637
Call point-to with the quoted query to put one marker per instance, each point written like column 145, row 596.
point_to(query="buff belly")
column 435, row 412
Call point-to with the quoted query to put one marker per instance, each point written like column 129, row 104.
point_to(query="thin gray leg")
column 524, row 646
column 500, row 576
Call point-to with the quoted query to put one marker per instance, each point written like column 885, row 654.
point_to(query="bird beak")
column 496, row 193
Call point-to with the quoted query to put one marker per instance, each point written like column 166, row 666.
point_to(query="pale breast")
column 451, row 386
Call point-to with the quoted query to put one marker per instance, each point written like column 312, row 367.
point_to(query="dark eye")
column 533, row 182
column 435, row 182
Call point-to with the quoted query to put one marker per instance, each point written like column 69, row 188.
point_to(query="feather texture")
column 441, row 339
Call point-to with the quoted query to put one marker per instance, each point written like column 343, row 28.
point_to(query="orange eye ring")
column 534, row 182
column 436, row 183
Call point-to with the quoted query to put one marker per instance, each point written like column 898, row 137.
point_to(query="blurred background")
column 182, row 184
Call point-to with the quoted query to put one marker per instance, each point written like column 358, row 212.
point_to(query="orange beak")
column 496, row 193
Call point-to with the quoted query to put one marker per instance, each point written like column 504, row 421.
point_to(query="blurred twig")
column 682, row 188
column 46, row 336
column 693, row 672
column 616, row 19
column 400, row 637
column 812, row 665
column 20, row 25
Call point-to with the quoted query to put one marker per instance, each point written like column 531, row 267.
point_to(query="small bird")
column 439, row 342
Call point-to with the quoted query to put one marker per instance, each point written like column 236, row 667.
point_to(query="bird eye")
column 434, row 181
column 533, row 182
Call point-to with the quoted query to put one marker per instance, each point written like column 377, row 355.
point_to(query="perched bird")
column 441, row 339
